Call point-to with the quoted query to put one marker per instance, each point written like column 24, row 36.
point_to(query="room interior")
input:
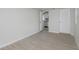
column 39, row 28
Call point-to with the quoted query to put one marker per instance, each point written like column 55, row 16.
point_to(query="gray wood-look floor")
column 45, row 41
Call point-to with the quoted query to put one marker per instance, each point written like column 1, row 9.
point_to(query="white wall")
column 65, row 20
column 54, row 20
column 72, row 17
column 62, row 20
column 17, row 23
column 77, row 26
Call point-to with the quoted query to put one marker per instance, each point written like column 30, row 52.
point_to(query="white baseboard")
column 53, row 32
column 60, row 32
column 11, row 42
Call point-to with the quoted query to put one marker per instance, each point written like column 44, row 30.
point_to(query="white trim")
column 53, row 32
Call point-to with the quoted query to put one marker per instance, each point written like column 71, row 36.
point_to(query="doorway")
column 44, row 19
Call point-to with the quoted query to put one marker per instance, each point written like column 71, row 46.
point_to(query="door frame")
column 41, row 22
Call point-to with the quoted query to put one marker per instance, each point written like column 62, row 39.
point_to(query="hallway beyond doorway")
column 44, row 20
